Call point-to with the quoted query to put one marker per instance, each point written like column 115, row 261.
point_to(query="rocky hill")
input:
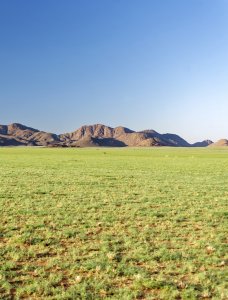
column 91, row 136
column 203, row 143
column 220, row 143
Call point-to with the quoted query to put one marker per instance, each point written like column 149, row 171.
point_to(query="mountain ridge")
column 95, row 135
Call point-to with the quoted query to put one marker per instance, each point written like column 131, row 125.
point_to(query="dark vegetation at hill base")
column 91, row 136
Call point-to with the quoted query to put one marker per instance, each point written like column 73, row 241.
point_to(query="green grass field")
column 113, row 223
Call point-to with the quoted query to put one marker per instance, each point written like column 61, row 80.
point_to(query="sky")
column 143, row 64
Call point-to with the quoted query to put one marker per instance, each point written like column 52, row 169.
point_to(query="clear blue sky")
column 160, row 64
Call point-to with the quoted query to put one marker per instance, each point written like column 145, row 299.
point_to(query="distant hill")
column 91, row 136
column 220, row 143
column 18, row 134
column 203, row 143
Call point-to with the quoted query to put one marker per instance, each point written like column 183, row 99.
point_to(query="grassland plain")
column 113, row 223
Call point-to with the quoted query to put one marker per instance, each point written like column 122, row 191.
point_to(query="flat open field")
column 113, row 223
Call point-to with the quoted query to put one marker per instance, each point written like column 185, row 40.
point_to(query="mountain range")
column 92, row 136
